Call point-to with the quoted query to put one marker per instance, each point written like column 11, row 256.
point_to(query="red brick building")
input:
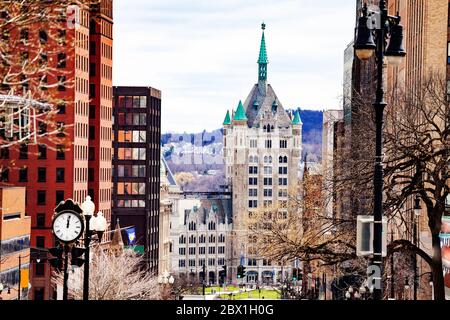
column 77, row 161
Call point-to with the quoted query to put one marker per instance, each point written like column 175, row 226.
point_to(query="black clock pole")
column 66, row 273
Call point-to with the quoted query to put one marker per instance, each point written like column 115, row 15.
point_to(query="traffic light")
column 223, row 274
column 56, row 261
column 294, row 274
column 240, row 271
column 75, row 256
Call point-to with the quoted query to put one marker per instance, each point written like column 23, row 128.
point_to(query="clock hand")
column 68, row 221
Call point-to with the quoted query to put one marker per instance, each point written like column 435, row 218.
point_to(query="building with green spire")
column 262, row 149
column 227, row 120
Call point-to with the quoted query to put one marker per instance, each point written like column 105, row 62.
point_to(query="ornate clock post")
column 67, row 226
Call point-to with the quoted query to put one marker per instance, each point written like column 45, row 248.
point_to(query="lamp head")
column 88, row 206
column 364, row 44
column 395, row 52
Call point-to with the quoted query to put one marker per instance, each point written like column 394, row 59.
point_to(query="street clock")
column 68, row 223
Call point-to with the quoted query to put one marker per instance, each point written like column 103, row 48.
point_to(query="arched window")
column 182, row 239
column 266, row 159
column 270, row 159
column 251, row 159
column 212, row 238
column 280, row 159
column 285, row 159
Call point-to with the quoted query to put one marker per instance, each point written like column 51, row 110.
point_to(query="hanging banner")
column 24, row 274
column 445, row 246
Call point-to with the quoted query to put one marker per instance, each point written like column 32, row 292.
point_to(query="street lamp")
column 417, row 213
column 98, row 226
column 388, row 28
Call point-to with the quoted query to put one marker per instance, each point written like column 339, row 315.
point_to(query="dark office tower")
column 136, row 166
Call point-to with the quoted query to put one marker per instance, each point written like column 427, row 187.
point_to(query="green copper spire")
column 240, row 113
column 227, row 120
column 262, row 61
column 297, row 120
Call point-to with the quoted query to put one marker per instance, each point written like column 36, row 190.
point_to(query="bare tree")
column 115, row 277
column 417, row 147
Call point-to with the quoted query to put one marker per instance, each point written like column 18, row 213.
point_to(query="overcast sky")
column 202, row 53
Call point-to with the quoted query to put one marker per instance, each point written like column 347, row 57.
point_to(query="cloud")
column 202, row 54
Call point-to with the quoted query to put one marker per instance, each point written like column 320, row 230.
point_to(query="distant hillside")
column 211, row 142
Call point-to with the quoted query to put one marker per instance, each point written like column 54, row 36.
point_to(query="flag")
column 131, row 234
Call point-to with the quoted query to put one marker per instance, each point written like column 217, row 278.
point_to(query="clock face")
column 68, row 226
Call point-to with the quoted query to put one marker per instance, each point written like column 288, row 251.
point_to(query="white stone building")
column 200, row 235
column 262, row 149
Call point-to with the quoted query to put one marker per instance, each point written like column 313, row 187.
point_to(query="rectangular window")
column 253, row 192
column 91, row 132
column 448, row 52
column 282, row 181
column 4, row 153
column 182, row 251
column 253, row 170
column 39, row 272
column 40, row 220
column 143, row 101
column 42, row 151
column 267, row 192
column 60, row 196
column 283, row 144
column 92, row 48
column 267, row 181
column 40, row 242
column 202, row 250
column 268, row 144
column 62, row 108
column 90, row 174
column 254, row 143
column 23, row 174
column 91, row 111
column 42, row 174
column 60, row 174
column 61, row 83
column 267, row 170
column 60, row 152
column 4, row 174
column 92, row 90
column 253, row 181
column 61, row 60
column 92, row 69
column 23, row 151
column 253, row 204
column 43, row 36
column 181, row 263
column 282, row 170
column 41, row 195
column 91, row 153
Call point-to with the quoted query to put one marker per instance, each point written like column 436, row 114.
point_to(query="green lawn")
column 220, row 289
column 266, row 294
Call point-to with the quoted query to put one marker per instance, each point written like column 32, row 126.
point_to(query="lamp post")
column 389, row 27
column 94, row 223
column 166, row 279
column 417, row 212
